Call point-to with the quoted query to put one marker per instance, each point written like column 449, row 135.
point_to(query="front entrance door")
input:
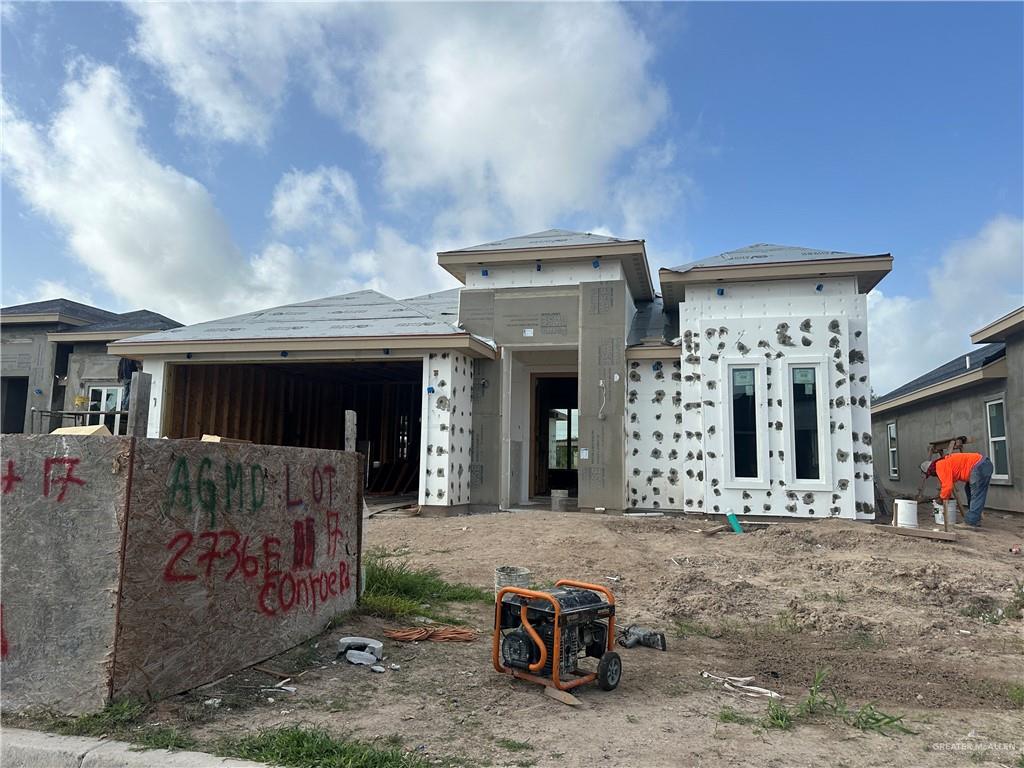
column 556, row 429
column 13, row 401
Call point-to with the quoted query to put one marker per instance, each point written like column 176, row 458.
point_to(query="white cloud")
column 324, row 200
column 152, row 235
column 504, row 117
column 229, row 63
column 974, row 281
column 43, row 290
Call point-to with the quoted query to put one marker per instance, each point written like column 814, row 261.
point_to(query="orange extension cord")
column 436, row 634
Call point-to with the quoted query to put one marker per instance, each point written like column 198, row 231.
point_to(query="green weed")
column 315, row 748
column 1017, row 695
column 870, row 718
column 114, row 718
column 730, row 715
column 778, row 716
column 816, row 704
column 786, row 621
column 163, row 737
column 395, row 590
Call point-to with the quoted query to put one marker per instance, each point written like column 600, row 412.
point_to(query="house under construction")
column 742, row 384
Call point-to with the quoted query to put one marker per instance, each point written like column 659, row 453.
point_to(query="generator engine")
column 544, row 635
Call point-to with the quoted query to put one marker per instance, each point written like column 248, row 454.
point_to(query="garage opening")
column 303, row 405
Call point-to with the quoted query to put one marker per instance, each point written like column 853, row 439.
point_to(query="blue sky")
column 211, row 160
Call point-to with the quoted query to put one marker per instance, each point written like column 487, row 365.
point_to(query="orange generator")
column 543, row 635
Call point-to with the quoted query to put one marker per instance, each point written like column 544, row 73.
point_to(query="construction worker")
column 971, row 469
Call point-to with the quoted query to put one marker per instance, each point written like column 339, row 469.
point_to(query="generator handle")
column 534, row 595
column 595, row 588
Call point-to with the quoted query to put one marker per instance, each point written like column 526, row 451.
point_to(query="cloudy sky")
column 201, row 160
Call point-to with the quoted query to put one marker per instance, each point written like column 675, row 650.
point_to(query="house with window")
column 560, row 363
column 55, row 369
column 980, row 395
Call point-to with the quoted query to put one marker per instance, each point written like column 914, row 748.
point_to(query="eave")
column 632, row 253
column 1000, row 329
column 44, row 318
column 997, row 369
column 64, row 337
column 472, row 346
column 869, row 271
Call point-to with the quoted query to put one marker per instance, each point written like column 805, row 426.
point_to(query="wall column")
column 447, row 432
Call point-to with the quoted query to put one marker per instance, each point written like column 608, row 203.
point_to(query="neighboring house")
column 53, row 359
column 980, row 395
column 557, row 366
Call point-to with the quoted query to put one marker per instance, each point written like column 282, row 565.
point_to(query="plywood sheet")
column 63, row 497
column 233, row 553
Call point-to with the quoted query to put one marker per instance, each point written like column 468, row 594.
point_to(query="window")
column 744, row 423
column 995, row 412
column 563, row 438
column 107, row 401
column 894, row 458
column 805, row 423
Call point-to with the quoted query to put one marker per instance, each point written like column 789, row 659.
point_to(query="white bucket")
column 906, row 513
column 950, row 510
column 511, row 576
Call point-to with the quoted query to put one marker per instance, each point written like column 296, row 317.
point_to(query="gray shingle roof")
column 139, row 320
column 766, row 253
column 60, row 306
column 955, row 367
column 363, row 313
column 549, row 238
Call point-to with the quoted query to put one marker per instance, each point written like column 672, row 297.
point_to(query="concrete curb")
column 33, row 749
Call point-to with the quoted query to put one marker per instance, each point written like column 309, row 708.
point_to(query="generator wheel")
column 609, row 671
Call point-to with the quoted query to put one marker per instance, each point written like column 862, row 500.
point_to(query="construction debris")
column 438, row 634
column 742, row 686
column 633, row 636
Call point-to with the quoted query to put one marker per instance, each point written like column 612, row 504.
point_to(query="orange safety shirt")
column 952, row 468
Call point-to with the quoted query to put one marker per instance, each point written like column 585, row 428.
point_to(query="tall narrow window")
column 563, row 438
column 894, row 459
column 744, row 423
column 997, row 449
column 805, row 424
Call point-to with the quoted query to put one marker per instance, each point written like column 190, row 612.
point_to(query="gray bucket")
column 511, row 576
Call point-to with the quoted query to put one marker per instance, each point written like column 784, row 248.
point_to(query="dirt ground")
column 909, row 624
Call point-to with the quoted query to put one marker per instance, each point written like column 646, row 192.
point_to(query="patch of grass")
column 778, row 716
column 1017, row 695
column 115, row 718
column 870, row 718
column 730, row 715
column 315, row 748
column 396, row 590
column 815, row 702
column 689, row 627
column 786, row 621
column 163, row 737
column 866, row 718
column 514, row 746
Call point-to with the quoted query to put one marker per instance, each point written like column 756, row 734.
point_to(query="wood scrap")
column 271, row 672
column 563, row 696
column 922, row 533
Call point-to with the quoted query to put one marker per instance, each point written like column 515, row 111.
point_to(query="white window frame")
column 99, row 417
column 822, row 388
column 892, row 449
column 760, row 397
column 1004, row 439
